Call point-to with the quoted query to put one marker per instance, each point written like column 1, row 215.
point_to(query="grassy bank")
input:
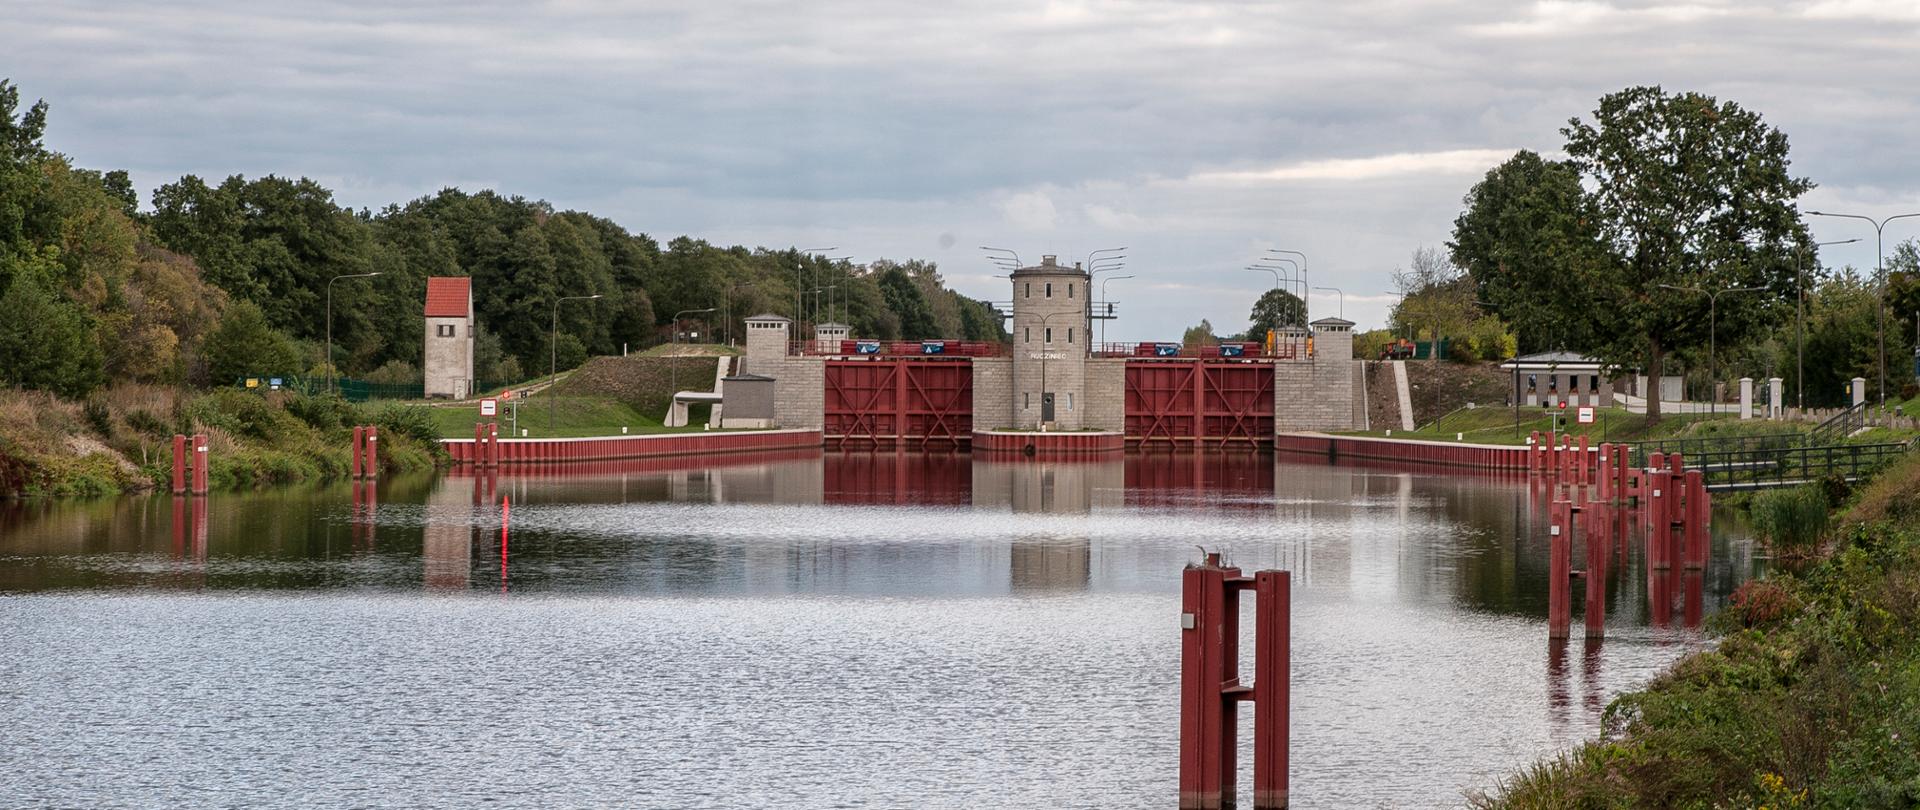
column 1810, row 699
column 562, row 416
column 120, row 439
column 1499, row 425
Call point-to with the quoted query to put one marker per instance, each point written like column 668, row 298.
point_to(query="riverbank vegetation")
column 1810, row 699
column 120, row 438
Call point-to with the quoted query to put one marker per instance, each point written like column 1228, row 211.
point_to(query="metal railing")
column 1232, row 350
column 1760, row 443
column 1839, row 426
column 899, row 348
column 1763, row 468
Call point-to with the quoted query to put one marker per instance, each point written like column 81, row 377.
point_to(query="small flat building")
column 1549, row 378
column 446, row 363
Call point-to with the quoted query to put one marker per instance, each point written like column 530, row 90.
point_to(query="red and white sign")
column 1585, row 416
column 489, row 407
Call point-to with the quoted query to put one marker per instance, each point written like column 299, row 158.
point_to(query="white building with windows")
column 447, row 361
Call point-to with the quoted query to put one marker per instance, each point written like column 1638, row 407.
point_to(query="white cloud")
column 1195, row 132
column 1454, row 161
column 1864, row 9
column 1029, row 211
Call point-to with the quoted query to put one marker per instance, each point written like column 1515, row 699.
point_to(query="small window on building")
column 1029, row 289
column 1029, row 334
column 1593, row 382
column 1049, row 289
column 1069, row 334
column 1027, row 404
column 1069, row 289
column 1049, row 334
column 444, row 330
column 1069, row 400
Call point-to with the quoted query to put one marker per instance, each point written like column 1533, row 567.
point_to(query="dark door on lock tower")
column 1046, row 407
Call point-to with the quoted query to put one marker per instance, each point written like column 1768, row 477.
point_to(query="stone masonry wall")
column 992, row 393
column 1106, row 392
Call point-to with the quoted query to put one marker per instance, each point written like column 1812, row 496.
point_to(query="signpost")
column 1586, row 415
column 489, row 407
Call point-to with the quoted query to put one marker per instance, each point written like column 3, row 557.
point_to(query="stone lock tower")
column 1050, row 345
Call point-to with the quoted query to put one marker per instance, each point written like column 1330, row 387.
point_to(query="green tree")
column 244, row 345
column 1199, row 334
column 1276, row 308
column 1529, row 240
column 46, row 342
column 1686, row 191
column 904, row 298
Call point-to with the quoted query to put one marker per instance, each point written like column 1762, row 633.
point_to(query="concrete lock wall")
column 992, row 393
column 1106, row 392
column 1317, row 392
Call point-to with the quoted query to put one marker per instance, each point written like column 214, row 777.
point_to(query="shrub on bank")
column 1811, row 699
column 120, row 439
column 1792, row 520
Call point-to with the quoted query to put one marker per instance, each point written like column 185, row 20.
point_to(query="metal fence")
column 1763, row 468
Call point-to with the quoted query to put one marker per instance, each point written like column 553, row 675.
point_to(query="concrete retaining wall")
column 601, row 448
column 1451, row 454
column 1054, row 444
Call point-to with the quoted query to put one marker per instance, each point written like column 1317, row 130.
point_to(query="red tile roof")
column 447, row 296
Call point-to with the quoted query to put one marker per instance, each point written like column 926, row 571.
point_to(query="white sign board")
column 489, row 407
column 1586, row 416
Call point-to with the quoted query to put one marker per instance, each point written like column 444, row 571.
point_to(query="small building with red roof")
column 447, row 362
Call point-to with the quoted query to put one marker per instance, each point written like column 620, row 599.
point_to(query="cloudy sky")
column 1195, row 134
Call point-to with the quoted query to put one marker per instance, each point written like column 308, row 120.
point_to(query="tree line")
column 1671, row 229
column 219, row 280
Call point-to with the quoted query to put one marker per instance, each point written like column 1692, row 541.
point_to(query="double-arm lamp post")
column 1800, row 322
column 1713, row 369
column 553, row 353
column 1880, row 271
column 1107, row 316
column 673, row 355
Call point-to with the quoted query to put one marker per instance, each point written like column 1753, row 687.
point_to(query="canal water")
column 804, row 629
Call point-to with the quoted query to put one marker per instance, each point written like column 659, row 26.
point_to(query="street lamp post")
column 1800, row 323
column 1103, row 301
column 673, row 356
column 1275, row 271
column 1304, row 309
column 553, row 353
column 330, row 373
column 1296, row 281
column 1343, row 299
column 1880, row 271
column 1713, row 358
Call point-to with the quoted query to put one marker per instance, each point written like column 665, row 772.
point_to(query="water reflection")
column 943, row 598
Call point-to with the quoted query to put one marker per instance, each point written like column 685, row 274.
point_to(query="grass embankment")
column 1810, row 699
column 121, row 439
column 564, row 417
column 1501, row 425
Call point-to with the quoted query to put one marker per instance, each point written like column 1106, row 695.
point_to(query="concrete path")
column 1406, row 394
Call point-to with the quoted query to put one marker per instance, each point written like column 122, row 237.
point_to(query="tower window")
column 1049, row 334
column 1069, row 340
column 1029, row 334
column 1027, row 404
column 1069, row 295
column 1069, row 400
column 1049, row 289
column 444, row 330
column 1029, row 289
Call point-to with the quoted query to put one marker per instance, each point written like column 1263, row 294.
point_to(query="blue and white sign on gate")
column 867, row 347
